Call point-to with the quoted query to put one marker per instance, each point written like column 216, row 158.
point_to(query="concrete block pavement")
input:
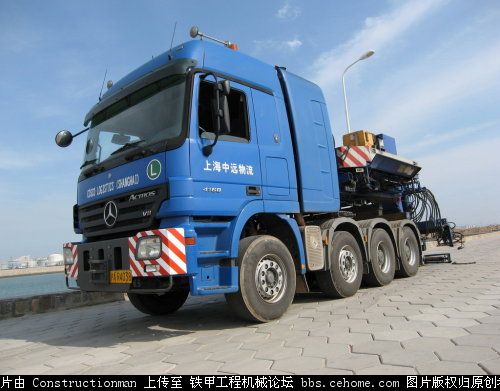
column 445, row 320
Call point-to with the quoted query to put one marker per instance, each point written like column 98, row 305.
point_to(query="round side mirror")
column 64, row 138
column 194, row 32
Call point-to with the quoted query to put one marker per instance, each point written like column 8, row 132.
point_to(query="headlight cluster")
column 149, row 248
column 68, row 256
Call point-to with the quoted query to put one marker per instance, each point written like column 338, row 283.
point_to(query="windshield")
column 145, row 117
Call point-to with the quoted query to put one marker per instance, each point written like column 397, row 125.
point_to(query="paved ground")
column 445, row 320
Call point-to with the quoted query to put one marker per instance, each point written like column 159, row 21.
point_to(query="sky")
column 433, row 84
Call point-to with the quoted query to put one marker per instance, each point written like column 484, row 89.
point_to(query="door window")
column 238, row 114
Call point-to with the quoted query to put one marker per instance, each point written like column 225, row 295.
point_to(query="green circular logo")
column 154, row 169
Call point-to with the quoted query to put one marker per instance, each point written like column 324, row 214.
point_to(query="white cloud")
column 288, row 11
column 378, row 32
column 294, row 44
column 439, row 87
column 451, row 80
column 275, row 45
column 445, row 137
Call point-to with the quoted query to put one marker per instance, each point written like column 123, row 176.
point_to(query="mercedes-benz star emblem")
column 110, row 213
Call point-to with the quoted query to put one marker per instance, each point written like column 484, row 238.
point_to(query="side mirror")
column 64, row 138
column 194, row 32
column 222, row 121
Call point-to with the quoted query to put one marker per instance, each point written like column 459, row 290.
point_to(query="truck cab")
column 207, row 171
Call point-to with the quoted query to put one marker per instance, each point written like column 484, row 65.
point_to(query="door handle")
column 253, row 190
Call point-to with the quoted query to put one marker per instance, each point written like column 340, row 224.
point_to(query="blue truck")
column 207, row 171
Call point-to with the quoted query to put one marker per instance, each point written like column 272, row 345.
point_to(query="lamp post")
column 363, row 57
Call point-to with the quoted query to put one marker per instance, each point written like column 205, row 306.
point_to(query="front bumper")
column 93, row 262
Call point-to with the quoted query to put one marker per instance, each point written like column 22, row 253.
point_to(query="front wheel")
column 164, row 304
column 266, row 279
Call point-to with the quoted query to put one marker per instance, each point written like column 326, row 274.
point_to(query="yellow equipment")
column 361, row 138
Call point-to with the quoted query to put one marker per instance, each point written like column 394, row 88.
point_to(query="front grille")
column 135, row 212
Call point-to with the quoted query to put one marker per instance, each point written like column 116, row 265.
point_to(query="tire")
column 409, row 253
column 153, row 304
column 346, row 267
column 264, row 262
column 382, row 259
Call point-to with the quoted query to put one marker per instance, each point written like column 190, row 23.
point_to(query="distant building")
column 26, row 261
column 55, row 260
column 22, row 262
column 15, row 264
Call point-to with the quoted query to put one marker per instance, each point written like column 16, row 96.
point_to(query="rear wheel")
column 382, row 259
column 164, row 304
column 409, row 253
column 346, row 267
column 266, row 279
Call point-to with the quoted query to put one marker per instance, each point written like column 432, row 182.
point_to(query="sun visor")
column 176, row 67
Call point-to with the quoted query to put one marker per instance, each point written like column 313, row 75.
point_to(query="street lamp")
column 363, row 57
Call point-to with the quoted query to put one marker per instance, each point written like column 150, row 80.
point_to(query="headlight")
column 68, row 256
column 149, row 248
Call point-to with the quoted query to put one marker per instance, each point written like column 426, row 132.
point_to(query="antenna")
column 173, row 35
column 102, row 86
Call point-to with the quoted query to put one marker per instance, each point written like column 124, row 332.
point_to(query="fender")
column 250, row 209
column 369, row 225
column 298, row 239
column 256, row 207
column 398, row 226
column 330, row 226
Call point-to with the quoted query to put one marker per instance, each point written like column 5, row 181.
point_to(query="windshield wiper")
column 127, row 146
column 87, row 162
column 92, row 170
column 140, row 153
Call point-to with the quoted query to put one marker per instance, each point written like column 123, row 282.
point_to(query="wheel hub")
column 383, row 257
column 348, row 264
column 270, row 278
column 408, row 252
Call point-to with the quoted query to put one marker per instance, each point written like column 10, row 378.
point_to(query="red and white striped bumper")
column 354, row 156
column 173, row 254
column 172, row 261
column 72, row 269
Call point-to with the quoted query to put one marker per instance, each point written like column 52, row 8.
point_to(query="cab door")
column 276, row 154
column 230, row 177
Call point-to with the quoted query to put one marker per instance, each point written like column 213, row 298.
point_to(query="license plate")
column 120, row 277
